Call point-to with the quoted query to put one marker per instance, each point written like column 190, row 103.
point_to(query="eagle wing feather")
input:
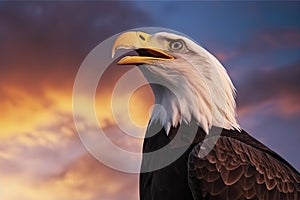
column 234, row 170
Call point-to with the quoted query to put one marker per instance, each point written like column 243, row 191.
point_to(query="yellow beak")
column 142, row 43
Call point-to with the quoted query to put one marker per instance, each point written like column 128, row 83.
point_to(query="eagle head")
column 188, row 82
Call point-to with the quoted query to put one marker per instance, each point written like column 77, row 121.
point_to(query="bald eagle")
column 219, row 160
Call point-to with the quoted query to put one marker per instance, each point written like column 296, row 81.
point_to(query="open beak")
column 143, row 44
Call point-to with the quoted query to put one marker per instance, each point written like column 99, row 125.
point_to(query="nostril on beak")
column 142, row 37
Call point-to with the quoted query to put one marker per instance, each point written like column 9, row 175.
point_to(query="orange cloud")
column 40, row 152
column 51, row 162
column 41, row 155
column 24, row 111
column 85, row 179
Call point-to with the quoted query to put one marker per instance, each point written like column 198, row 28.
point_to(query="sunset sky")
column 42, row 46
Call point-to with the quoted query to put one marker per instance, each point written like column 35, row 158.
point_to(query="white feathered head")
column 190, row 83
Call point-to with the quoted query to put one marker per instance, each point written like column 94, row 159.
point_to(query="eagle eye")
column 176, row 45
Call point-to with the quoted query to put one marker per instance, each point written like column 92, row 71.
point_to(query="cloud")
column 268, row 107
column 51, row 161
column 88, row 176
column 46, row 42
column 84, row 179
column 23, row 111
column 272, row 39
column 277, row 86
column 42, row 47
column 268, row 47
column 56, row 141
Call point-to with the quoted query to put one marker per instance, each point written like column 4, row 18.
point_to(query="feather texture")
column 195, row 85
column 243, row 168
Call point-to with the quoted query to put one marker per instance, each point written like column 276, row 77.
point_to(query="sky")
column 42, row 45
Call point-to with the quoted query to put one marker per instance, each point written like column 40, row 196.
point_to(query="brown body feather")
column 239, row 167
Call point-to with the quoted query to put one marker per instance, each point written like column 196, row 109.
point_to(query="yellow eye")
column 176, row 45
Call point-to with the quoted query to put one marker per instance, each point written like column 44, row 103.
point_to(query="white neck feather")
column 203, row 93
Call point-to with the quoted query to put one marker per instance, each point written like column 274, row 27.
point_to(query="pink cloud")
column 273, row 39
column 278, row 87
column 51, row 162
